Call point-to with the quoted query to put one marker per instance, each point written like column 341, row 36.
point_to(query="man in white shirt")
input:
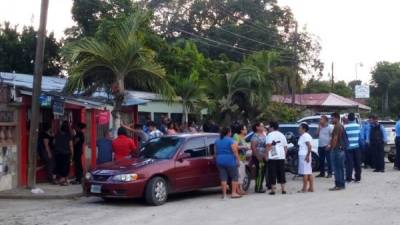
column 276, row 155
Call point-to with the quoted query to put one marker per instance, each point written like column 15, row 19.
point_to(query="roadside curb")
column 39, row 196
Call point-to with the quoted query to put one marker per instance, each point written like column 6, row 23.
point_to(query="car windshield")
column 160, row 148
column 388, row 124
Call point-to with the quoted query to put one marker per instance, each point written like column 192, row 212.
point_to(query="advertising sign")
column 362, row 91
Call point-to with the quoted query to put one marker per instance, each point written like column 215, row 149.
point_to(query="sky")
column 351, row 32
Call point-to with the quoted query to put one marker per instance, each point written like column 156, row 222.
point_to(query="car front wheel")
column 156, row 191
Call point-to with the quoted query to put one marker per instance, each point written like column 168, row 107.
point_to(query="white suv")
column 315, row 119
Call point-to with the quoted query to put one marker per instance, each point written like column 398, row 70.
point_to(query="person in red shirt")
column 123, row 146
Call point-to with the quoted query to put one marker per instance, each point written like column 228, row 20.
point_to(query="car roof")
column 296, row 125
column 190, row 135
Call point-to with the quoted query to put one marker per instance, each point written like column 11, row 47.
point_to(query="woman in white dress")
column 305, row 151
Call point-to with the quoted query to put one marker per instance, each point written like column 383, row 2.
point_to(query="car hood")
column 127, row 164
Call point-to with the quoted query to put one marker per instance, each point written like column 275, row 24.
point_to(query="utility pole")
column 333, row 78
column 37, row 88
column 295, row 65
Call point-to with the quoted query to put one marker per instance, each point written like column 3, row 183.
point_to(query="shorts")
column 276, row 171
column 226, row 172
column 304, row 167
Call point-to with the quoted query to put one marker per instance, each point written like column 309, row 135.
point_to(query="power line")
column 250, row 39
column 214, row 41
column 249, row 23
column 217, row 46
column 241, row 36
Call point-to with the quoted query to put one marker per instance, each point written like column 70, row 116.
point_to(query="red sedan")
column 165, row 165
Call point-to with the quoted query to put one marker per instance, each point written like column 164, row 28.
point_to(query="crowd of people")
column 344, row 145
column 57, row 151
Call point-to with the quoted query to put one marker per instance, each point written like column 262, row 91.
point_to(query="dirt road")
column 374, row 201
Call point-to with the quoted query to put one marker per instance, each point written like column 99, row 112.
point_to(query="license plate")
column 96, row 189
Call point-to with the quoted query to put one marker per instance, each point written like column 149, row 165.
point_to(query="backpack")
column 344, row 142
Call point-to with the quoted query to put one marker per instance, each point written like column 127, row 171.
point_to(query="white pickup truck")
column 390, row 147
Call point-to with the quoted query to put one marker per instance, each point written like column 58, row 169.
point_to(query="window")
column 196, row 148
column 210, row 143
column 176, row 117
column 159, row 116
column 144, row 117
column 161, row 148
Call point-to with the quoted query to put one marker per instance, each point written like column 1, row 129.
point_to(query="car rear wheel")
column 246, row 180
column 315, row 162
column 391, row 158
column 156, row 191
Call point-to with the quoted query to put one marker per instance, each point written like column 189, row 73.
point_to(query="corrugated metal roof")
column 321, row 99
column 26, row 81
column 55, row 85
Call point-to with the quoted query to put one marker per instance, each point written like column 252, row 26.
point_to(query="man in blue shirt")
column 353, row 152
column 104, row 148
column 397, row 140
column 365, row 153
column 376, row 139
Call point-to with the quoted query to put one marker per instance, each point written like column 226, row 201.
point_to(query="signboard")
column 58, row 107
column 362, row 91
column 103, row 117
column 45, row 101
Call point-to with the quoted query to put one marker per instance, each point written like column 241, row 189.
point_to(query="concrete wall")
column 163, row 107
column 8, row 167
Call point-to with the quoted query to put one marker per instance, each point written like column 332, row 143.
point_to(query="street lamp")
column 360, row 64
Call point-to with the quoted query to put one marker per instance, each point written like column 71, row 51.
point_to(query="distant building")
column 323, row 102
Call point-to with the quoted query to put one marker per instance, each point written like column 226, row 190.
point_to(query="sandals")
column 64, row 183
column 236, row 196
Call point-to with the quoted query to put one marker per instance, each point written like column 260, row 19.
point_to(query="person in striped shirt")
column 353, row 152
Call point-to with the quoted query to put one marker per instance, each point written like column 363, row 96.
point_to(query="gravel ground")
column 374, row 201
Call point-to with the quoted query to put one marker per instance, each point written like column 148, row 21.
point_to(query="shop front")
column 55, row 110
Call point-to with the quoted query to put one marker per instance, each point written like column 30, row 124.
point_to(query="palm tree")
column 192, row 90
column 247, row 82
column 97, row 63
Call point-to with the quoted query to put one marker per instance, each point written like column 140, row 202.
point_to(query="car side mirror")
column 183, row 156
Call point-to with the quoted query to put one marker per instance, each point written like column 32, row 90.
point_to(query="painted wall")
column 163, row 107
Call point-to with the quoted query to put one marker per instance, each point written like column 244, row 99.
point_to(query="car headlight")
column 88, row 176
column 125, row 177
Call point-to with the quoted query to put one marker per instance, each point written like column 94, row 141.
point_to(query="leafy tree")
column 236, row 91
column 186, row 72
column 122, row 59
column 318, row 86
column 385, row 81
column 192, row 90
column 90, row 14
column 247, row 26
column 17, row 51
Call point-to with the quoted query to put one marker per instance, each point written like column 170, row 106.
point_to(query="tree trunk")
column 119, row 96
column 184, row 113
column 386, row 102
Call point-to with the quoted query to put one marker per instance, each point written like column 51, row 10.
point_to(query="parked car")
column 315, row 119
column 390, row 147
column 165, row 165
